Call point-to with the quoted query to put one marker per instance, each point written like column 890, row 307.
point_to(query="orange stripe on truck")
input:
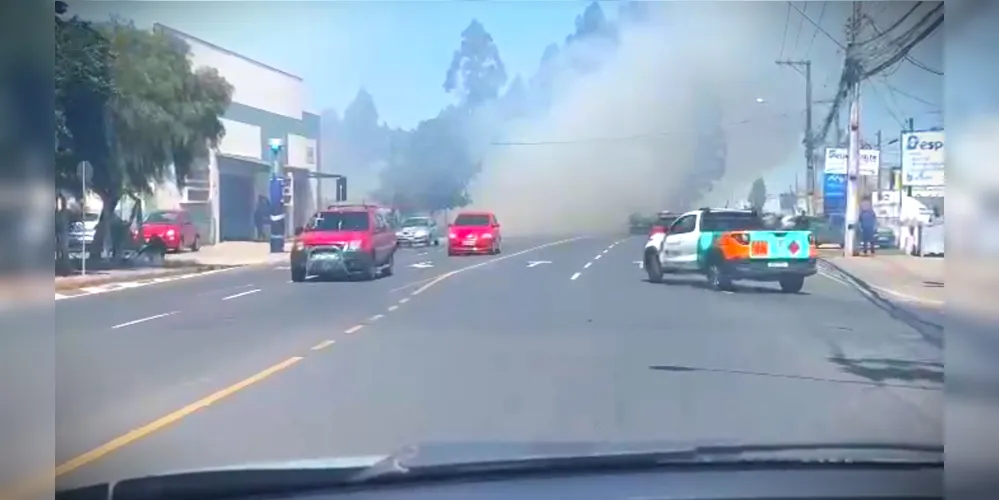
column 731, row 248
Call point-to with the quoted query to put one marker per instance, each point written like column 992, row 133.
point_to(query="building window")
column 310, row 155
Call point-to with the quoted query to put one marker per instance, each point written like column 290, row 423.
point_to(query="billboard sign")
column 836, row 161
column 923, row 158
column 834, row 193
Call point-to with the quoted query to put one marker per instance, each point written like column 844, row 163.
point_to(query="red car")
column 474, row 232
column 345, row 240
column 174, row 228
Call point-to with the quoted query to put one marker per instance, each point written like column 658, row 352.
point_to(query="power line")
column 905, row 49
column 817, row 26
column 801, row 24
column 894, row 25
column 815, row 33
column 648, row 135
column 787, row 21
column 911, row 60
column 910, row 96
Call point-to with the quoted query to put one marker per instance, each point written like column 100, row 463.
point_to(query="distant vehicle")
column 663, row 221
column 347, row 241
column 727, row 245
column 474, row 232
column 418, row 231
column 173, row 228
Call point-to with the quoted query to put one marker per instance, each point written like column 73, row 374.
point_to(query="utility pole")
column 809, row 139
column 854, row 73
column 878, row 146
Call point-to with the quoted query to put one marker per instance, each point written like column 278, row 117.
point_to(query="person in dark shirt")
column 868, row 220
column 261, row 217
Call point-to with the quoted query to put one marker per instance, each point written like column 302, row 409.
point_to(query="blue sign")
column 834, row 193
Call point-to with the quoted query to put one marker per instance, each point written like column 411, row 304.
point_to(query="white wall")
column 256, row 85
column 299, row 154
column 241, row 139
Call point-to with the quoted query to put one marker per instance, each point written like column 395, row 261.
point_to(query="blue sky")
column 399, row 50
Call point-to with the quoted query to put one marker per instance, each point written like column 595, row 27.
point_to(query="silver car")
column 418, row 231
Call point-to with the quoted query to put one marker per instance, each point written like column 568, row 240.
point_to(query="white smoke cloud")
column 647, row 88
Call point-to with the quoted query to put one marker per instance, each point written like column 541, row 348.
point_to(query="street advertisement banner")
column 834, row 193
column 836, row 161
column 923, row 158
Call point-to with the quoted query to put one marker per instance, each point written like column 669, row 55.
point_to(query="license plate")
column 325, row 256
column 777, row 264
column 469, row 243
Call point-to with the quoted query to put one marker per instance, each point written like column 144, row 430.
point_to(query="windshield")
column 472, row 220
column 416, row 223
column 163, row 217
column 602, row 305
column 340, row 221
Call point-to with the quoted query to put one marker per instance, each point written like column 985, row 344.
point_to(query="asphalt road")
column 563, row 342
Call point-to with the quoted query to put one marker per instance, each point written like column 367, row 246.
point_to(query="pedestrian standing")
column 261, row 216
column 868, row 227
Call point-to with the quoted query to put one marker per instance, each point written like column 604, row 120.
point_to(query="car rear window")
column 163, row 217
column 731, row 222
column 666, row 220
column 417, row 222
column 472, row 220
column 340, row 221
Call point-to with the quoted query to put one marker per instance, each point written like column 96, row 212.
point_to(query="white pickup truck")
column 727, row 245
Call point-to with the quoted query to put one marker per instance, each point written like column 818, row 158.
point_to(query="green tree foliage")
column 129, row 102
column 757, row 194
column 477, row 73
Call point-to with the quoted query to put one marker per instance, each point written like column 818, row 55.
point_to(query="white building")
column 267, row 103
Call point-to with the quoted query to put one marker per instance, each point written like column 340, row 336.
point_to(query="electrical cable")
column 905, row 50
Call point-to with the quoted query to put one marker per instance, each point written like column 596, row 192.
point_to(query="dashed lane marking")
column 392, row 308
column 143, row 320
column 447, row 275
column 575, row 276
column 353, row 329
column 322, row 345
column 376, row 317
column 404, row 300
column 241, row 294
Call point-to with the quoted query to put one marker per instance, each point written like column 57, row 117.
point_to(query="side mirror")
column 299, row 230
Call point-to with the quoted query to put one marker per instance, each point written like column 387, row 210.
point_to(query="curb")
column 107, row 280
column 930, row 330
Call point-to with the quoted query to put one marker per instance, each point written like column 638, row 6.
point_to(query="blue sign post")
column 834, row 194
column 276, row 189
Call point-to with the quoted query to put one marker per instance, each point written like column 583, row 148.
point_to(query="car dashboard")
column 721, row 483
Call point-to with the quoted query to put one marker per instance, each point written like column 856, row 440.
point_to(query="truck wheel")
column 717, row 277
column 298, row 274
column 653, row 267
column 370, row 272
column 792, row 284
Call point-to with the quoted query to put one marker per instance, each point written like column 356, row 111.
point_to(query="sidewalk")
column 900, row 277
column 233, row 253
column 227, row 254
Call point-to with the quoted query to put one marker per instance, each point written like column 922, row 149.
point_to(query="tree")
column 477, row 73
column 542, row 84
column 515, row 99
column 151, row 121
column 595, row 34
column 432, row 166
column 757, row 194
column 362, row 138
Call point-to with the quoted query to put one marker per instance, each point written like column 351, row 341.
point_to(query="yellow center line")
column 162, row 422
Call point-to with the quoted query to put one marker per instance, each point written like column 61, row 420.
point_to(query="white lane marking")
column 404, row 300
column 535, row 263
column 587, row 265
column 241, row 294
column 423, row 265
column 605, row 251
column 353, row 329
column 574, row 276
column 323, row 344
column 392, row 308
column 143, row 320
column 376, row 317
column 640, row 264
column 598, row 257
column 447, row 275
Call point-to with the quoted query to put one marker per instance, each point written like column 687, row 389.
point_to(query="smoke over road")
column 624, row 138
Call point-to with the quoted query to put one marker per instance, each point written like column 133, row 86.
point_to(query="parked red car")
column 345, row 240
column 474, row 232
column 174, row 228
